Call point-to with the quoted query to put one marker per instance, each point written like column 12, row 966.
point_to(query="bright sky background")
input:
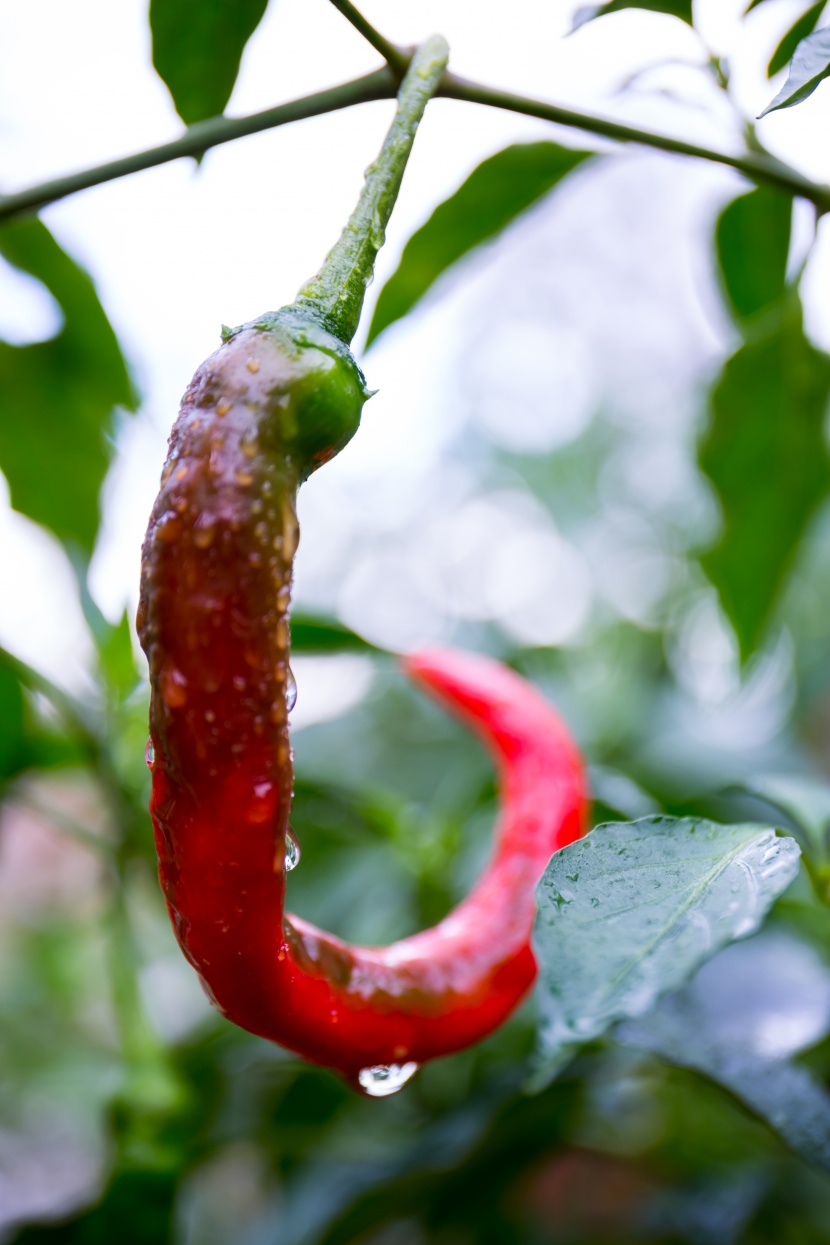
column 177, row 251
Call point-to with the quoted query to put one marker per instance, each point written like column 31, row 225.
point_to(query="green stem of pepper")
column 336, row 293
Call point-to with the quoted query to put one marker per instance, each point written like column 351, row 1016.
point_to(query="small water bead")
column 385, row 1078
column 150, row 754
column 292, row 850
column 290, row 689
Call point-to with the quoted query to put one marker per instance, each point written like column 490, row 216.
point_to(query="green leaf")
column 314, row 634
column 24, row 743
column 805, row 25
column 752, row 242
column 57, row 396
column 765, row 454
column 494, row 194
column 633, row 909
column 746, row 1011
column 676, row 8
column 197, row 48
column 810, row 64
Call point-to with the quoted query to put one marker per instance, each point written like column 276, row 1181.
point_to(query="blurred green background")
column 600, row 454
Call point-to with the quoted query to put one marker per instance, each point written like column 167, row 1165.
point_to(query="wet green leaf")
column 491, row 198
column 197, row 49
column 58, row 396
column 765, row 454
column 633, row 909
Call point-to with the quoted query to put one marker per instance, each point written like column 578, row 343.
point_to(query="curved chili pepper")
column 280, row 396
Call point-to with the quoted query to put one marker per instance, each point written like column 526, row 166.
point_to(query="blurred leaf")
column 805, row 25
column 24, row 744
column 806, row 802
column 633, row 909
column 136, row 1209
column 197, row 48
column 752, row 241
column 494, row 194
column 765, row 454
column 676, row 8
column 810, row 64
column 314, row 634
column 57, row 397
column 738, row 1023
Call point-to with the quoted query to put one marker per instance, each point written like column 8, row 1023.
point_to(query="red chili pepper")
column 280, row 397
column 221, row 849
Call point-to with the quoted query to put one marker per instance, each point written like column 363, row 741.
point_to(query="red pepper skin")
column 213, row 620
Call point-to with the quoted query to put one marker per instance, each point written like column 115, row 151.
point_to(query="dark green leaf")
column 633, row 909
column 738, row 1022
column 805, row 25
column 136, row 1209
column 24, row 743
column 57, row 397
column 765, row 454
column 810, row 64
column 310, row 634
column 491, row 198
column 197, row 48
column 676, row 8
column 752, row 240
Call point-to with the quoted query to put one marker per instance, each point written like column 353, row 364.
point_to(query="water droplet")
column 292, row 850
column 290, row 689
column 249, row 443
column 252, row 365
column 150, row 754
column 243, row 478
column 222, row 407
column 385, row 1078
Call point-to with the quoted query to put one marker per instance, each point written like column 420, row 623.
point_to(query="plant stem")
column 757, row 166
column 336, row 293
column 397, row 58
column 200, row 137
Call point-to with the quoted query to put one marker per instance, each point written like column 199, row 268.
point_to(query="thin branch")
column 396, row 58
column 200, row 137
column 757, row 166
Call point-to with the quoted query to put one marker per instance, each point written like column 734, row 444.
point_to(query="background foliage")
column 655, row 558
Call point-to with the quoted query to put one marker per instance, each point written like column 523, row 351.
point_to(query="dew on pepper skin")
column 263, row 805
column 150, row 754
column 204, row 531
column 222, row 407
column 384, row 1079
column 173, row 687
column 252, row 365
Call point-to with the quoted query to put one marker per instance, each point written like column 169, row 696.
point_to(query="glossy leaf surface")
column 634, row 909
column 809, row 66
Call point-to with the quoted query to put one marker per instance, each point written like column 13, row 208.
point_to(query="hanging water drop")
column 292, row 850
column 290, row 689
column 385, row 1078
column 150, row 754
